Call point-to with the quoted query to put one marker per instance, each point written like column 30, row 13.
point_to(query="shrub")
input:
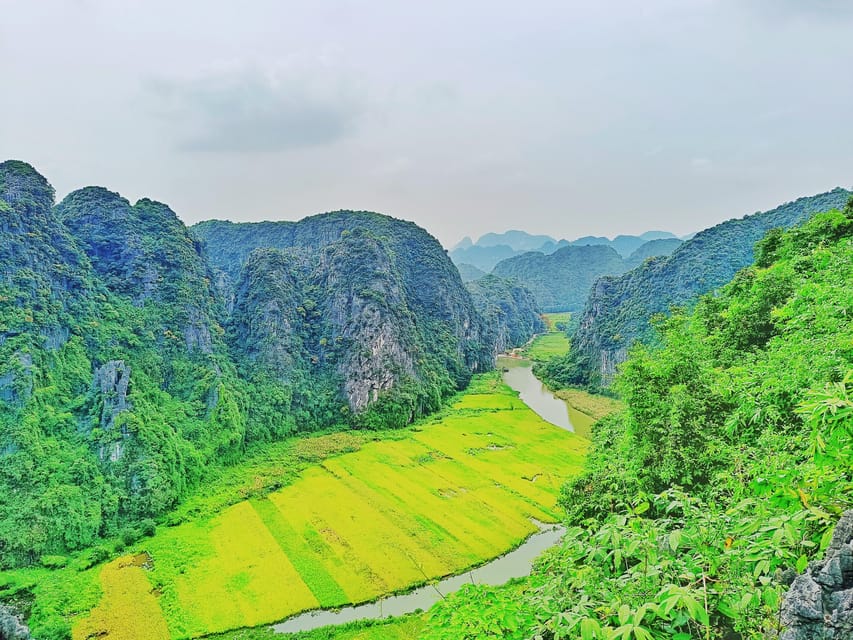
column 53, row 562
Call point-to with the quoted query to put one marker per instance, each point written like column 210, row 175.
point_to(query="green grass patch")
column 593, row 405
column 553, row 343
column 554, row 321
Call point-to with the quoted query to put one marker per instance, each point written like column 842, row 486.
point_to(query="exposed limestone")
column 11, row 627
column 16, row 384
column 112, row 380
column 819, row 604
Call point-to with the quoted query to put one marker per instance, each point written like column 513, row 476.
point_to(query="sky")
column 570, row 118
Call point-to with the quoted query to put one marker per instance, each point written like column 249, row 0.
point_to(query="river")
column 515, row 564
column 518, row 374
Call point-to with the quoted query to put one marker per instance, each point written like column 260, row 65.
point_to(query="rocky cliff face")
column 113, row 383
column 131, row 359
column 144, row 252
column 11, row 627
column 348, row 315
column 619, row 309
column 433, row 290
column 44, row 285
column 819, row 604
column 510, row 311
column 365, row 305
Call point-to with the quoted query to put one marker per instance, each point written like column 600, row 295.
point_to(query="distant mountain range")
column 494, row 247
column 558, row 274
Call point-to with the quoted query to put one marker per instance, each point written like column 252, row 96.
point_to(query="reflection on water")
column 518, row 374
column 515, row 564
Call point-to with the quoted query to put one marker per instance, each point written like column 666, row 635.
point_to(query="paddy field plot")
column 447, row 494
column 554, row 342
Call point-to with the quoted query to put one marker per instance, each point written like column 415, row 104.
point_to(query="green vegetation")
column 131, row 369
column 511, row 315
column 150, row 486
column 112, row 400
column 595, row 406
column 652, row 249
column 548, row 345
column 554, row 342
column 352, row 516
column 619, row 309
column 469, row 273
column 725, row 472
column 557, row 321
column 561, row 281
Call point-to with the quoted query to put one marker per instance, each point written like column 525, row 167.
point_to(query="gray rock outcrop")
column 819, row 604
column 11, row 627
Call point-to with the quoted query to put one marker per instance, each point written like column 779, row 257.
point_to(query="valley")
column 217, row 430
column 382, row 514
column 426, row 321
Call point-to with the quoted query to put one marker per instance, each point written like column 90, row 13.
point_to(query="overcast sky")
column 567, row 117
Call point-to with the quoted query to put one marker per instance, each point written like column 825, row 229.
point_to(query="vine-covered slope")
column 619, row 308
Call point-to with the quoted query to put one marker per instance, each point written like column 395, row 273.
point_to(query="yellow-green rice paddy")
column 554, row 342
column 454, row 492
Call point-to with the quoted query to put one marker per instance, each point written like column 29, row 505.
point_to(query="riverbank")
column 513, row 564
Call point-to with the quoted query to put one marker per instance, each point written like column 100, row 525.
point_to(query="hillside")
column 651, row 249
column 561, row 281
column 423, row 324
column 511, row 313
column 135, row 357
column 115, row 389
column 619, row 309
column 468, row 272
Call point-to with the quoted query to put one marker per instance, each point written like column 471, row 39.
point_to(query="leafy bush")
column 53, row 562
column 147, row 528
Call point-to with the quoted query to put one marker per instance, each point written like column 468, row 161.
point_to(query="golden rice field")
column 451, row 493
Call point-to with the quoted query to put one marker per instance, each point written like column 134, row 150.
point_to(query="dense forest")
column 136, row 355
column 720, row 481
column 469, row 273
column 619, row 308
column 561, row 281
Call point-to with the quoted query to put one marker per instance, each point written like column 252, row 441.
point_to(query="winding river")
column 518, row 374
column 515, row 564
